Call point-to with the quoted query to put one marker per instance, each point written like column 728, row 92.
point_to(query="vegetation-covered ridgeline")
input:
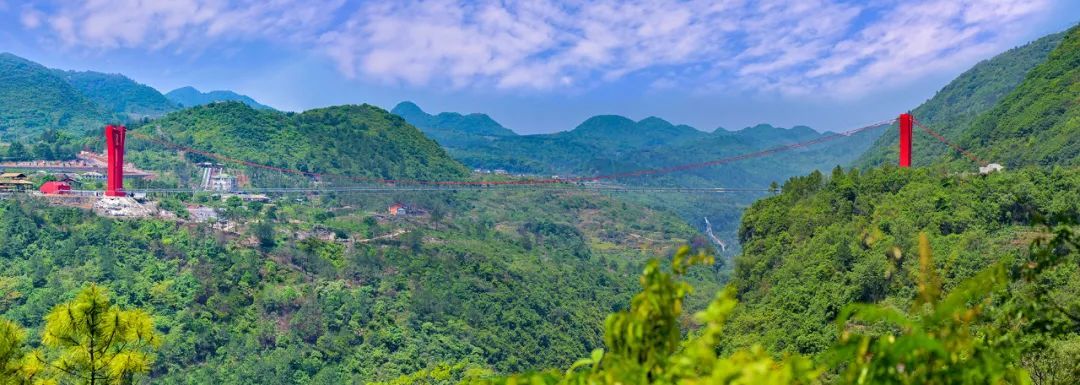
column 34, row 98
column 355, row 141
column 978, row 331
column 611, row 144
column 954, row 108
column 191, row 97
column 119, row 95
column 826, row 242
column 1039, row 122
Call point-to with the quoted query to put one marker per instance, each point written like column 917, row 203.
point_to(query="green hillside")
column 826, row 242
column 33, row 98
column 1039, row 122
column 118, row 94
column 451, row 129
column 191, row 97
column 614, row 144
column 954, row 108
column 506, row 282
column 353, row 141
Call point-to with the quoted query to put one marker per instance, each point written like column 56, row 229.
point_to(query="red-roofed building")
column 397, row 209
column 55, row 188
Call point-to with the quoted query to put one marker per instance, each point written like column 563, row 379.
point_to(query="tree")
column 95, row 342
column 11, row 340
column 438, row 213
column 17, row 151
column 264, row 232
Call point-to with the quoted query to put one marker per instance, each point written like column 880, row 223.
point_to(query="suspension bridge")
column 116, row 138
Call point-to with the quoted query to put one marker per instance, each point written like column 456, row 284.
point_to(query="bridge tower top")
column 905, row 139
column 114, row 148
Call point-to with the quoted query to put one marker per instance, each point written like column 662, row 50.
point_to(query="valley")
column 354, row 244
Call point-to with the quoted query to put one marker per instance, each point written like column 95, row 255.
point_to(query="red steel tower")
column 114, row 144
column 905, row 140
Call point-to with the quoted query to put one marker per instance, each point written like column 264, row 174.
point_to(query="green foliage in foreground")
column 88, row 340
column 946, row 339
column 830, row 240
column 504, row 282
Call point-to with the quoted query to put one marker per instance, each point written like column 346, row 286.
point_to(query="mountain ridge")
column 189, row 96
column 33, row 98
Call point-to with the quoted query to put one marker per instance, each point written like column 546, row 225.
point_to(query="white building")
column 992, row 167
column 222, row 182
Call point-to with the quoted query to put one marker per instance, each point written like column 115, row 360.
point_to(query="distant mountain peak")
column 407, row 107
column 653, row 121
column 445, row 125
column 189, row 96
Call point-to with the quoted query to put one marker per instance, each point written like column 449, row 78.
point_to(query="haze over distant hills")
column 601, row 144
column 191, row 97
column 610, row 144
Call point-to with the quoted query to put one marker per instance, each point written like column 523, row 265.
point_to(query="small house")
column 397, row 209
column 55, row 188
column 14, row 181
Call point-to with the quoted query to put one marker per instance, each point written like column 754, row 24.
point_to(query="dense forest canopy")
column 350, row 141
column 954, row 108
column 34, row 98
column 865, row 275
column 1038, row 123
column 119, row 95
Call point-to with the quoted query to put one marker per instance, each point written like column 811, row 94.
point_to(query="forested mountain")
column 1038, row 123
column 191, row 97
column 449, row 128
column 610, row 144
column 118, row 94
column 613, row 144
column 503, row 282
column 34, row 98
column 954, row 108
column 353, row 141
column 828, row 241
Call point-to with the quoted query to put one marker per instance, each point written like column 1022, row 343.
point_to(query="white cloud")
column 807, row 47
column 110, row 24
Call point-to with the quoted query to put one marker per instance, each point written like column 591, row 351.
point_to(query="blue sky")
column 543, row 66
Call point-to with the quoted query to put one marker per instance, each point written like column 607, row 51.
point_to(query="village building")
column 398, row 209
column 222, row 182
column 55, row 188
column 14, row 181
